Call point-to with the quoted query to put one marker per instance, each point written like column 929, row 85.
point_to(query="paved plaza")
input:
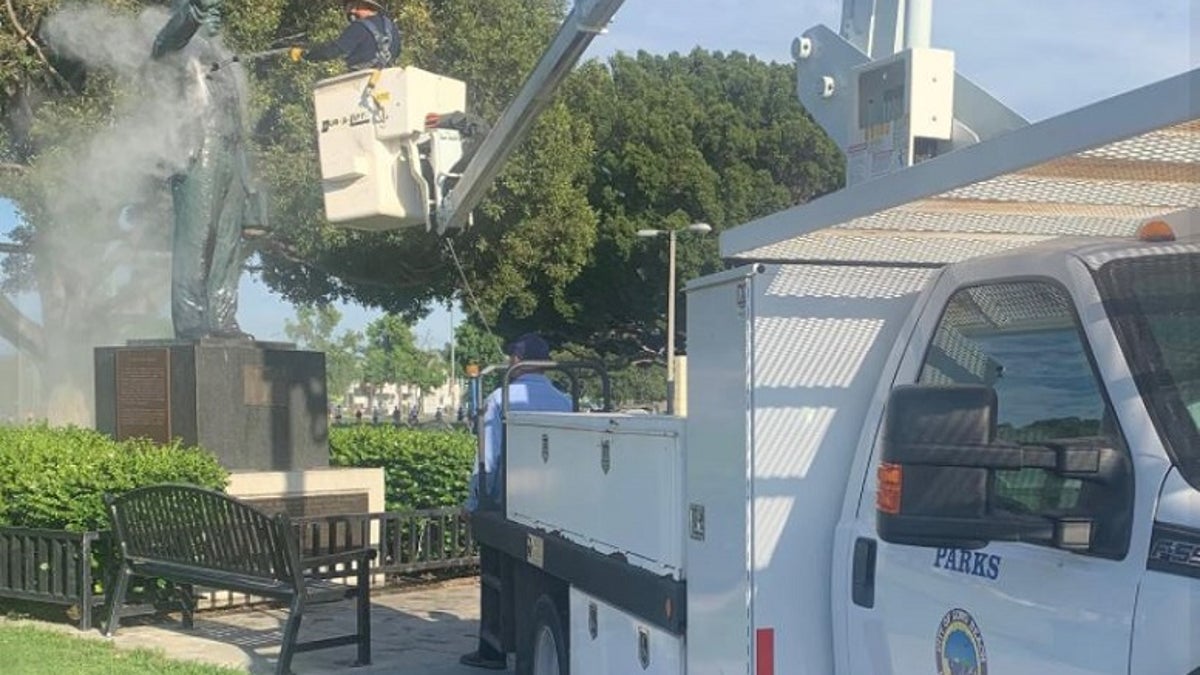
column 422, row 630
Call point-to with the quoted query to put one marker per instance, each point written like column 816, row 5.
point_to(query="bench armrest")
column 362, row 554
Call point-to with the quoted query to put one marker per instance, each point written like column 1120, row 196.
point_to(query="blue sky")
column 1040, row 57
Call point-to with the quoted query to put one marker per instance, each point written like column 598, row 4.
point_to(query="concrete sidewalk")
column 421, row 631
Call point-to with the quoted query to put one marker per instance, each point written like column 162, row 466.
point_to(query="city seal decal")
column 959, row 645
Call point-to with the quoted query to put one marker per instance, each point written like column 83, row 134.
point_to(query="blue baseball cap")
column 528, row 347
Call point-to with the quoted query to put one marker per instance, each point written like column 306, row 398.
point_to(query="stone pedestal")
column 257, row 406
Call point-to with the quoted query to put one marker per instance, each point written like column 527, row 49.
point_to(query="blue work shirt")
column 357, row 44
column 528, row 392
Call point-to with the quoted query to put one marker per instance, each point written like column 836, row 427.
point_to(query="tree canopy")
column 474, row 345
column 679, row 139
column 392, row 356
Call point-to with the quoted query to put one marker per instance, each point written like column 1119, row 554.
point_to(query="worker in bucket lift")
column 370, row 41
column 528, row 391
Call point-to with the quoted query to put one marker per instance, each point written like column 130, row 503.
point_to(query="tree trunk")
column 67, row 363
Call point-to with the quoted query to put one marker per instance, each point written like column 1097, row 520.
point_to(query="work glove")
column 295, row 54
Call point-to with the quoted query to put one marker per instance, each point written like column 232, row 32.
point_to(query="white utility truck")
column 952, row 434
column 946, row 420
column 942, row 421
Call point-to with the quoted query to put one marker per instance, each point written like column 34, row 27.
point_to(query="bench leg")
column 117, row 599
column 363, row 610
column 187, row 600
column 85, row 587
column 290, row 632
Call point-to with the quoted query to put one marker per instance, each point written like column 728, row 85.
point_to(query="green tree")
column 315, row 327
column 640, row 384
column 392, row 356
column 634, row 382
column 702, row 137
column 639, row 141
column 473, row 344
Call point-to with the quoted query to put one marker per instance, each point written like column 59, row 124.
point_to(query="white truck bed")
column 588, row 476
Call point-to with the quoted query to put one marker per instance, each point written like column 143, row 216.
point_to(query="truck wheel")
column 549, row 640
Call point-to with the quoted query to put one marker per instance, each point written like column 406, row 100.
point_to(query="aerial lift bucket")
column 380, row 162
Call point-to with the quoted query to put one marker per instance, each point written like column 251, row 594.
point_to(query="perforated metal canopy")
column 1100, row 171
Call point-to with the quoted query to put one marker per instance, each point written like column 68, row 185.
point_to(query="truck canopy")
column 1101, row 171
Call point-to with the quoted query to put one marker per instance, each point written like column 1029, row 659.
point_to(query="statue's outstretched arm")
column 187, row 16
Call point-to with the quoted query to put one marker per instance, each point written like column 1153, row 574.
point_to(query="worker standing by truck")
column 372, row 39
column 528, row 391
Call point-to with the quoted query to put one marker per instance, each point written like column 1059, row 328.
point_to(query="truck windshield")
column 1154, row 302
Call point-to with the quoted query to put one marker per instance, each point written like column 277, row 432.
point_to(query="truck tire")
column 548, row 653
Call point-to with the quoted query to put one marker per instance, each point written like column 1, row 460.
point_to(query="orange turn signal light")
column 1156, row 231
column 887, row 495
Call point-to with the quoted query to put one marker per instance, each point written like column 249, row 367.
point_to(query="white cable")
column 471, row 295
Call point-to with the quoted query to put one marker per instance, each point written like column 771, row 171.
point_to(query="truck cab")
column 1089, row 565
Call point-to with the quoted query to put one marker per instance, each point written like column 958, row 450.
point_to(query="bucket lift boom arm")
column 586, row 20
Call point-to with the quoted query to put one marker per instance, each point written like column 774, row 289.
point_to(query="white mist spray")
column 103, row 236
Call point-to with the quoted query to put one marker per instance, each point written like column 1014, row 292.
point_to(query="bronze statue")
column 214, row 196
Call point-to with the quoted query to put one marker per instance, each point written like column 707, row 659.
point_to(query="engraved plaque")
column 143, row 394
column 299, row 506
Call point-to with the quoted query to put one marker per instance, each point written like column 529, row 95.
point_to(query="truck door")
column 1008, row 607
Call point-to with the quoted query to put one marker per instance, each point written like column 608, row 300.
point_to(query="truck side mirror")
column 938, row 478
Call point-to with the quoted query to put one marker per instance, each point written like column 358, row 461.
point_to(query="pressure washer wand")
column 252, row 56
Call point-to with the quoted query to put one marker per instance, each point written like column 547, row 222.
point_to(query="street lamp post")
column 700, row 228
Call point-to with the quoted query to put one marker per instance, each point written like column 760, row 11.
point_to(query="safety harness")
column 383, row 44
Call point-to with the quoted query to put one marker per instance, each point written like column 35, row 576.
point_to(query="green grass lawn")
column 26, row 650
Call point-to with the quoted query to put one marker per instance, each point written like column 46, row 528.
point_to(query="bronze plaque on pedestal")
column 143, row 399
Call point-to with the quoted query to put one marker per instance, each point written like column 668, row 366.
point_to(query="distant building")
column 403, row 396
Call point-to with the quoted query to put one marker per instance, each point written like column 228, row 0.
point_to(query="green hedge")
column 55, row 477
column 422, row 469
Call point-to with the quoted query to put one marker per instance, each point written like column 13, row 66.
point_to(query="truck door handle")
column 863, row 584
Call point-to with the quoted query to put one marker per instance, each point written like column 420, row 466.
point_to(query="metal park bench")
column 193, row 536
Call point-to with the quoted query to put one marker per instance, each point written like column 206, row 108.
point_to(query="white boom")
column 586, row 20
